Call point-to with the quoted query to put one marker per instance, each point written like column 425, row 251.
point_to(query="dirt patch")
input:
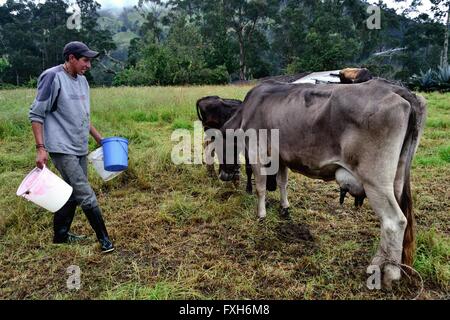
column 291, row 232
column 224, row 196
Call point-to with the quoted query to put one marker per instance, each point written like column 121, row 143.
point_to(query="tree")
column 91, row 33
column 319, row 35
column 222, row 47
column 423, row 43
column 185, row 45
column 32, row 35
column 4, row 64
column 441, row 11
column 243, row 19
column 155, row 18
column 237, row 18
column 17, row 43
column 177, row 60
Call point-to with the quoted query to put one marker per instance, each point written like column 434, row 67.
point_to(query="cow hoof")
column 359, row 201
column 284, row 213
column 261, row 219
column 391, row 273
column 249, row 190
column 261, row 214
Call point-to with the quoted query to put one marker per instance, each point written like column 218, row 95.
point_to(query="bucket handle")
column 27, row 192
column 121, row 144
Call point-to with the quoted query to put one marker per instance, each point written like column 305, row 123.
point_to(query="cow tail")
column 415, row 126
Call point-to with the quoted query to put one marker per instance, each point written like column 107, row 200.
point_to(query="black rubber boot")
column 95, row 219
column 62, row 220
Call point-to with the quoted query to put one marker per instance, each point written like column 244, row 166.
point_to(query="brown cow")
column 213, row 112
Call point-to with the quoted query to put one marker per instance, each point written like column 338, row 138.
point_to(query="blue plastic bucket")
column 115, row 153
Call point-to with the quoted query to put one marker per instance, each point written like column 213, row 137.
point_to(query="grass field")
column 182, row 235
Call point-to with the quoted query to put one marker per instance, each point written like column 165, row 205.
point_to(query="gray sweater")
column 62, row 105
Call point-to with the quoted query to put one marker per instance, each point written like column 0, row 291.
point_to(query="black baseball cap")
column 79, row 48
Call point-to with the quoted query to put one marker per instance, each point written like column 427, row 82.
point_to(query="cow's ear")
column 230, row 103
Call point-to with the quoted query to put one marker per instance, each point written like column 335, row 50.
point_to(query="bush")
column 132, row 77
column 7, row 86
column 443, row 74
column 218, row 75
column 32, row 83
column 179, row 60
column 4, row 64
column 425, row 81
column 170, row 72
column 431, row 80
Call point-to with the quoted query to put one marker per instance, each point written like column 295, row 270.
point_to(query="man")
column 60, row 117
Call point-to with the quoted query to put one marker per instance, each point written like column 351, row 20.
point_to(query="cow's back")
column 321, row 124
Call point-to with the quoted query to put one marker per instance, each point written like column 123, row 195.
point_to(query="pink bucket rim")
column 22, row 190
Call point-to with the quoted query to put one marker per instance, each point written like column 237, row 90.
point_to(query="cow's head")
column 214, row 111
column 229, row 171
column 232, row 146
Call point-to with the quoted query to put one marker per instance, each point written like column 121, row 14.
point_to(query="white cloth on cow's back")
column 321, row 77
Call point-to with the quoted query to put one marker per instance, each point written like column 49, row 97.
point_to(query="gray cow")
column 362, row 135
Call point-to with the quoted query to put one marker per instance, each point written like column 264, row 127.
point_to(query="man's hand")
column 96, row 135
column 42, row 155
column 41, row 158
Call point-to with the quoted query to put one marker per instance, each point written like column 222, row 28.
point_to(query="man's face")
column 80, row 66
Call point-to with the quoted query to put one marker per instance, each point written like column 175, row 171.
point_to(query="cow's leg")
column 249, row 172
column 260, row 182
column 282, row 181
column 236, row 180
column 209, row 157
column 393, row 225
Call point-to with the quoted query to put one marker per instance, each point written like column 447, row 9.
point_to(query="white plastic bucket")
column 96, row 158
column 45, row 189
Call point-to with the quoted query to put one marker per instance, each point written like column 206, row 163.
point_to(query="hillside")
column 124, row 23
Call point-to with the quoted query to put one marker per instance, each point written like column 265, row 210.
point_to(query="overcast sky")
column 122, row 3
column 117, row 3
